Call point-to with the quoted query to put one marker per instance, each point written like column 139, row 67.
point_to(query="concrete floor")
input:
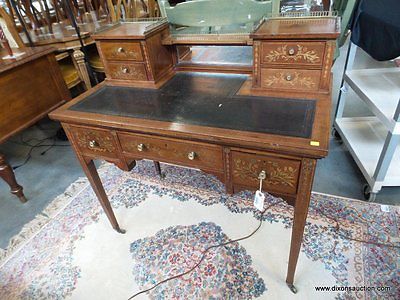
column 48, row 175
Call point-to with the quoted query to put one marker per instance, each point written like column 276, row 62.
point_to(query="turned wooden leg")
column 7, row 173
column 158, row 168
column 300, row 216
column 79, row 61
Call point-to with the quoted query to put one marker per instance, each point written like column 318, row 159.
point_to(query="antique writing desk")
column 233, row 126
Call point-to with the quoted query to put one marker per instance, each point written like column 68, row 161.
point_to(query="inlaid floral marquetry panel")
column 94, row 141
column 300, row 53
column 122, row 51
column 290, row 79
column 127, row 71
column 281, row 174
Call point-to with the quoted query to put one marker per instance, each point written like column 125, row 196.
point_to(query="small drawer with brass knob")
column 121, row 50
column 293, row 53
column 186, row 153
column 127, row 71
column 290, row 79
column 94, row 141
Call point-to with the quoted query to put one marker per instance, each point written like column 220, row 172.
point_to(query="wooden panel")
column 158, row 57
column 282, row 173
column 94, row 142
column 290, row 79
column 290, row 53
column 127, row 71
column 205, row 156
column 28, row 92
column 119, row 50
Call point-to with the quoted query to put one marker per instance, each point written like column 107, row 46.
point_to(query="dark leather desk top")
column 205, row 100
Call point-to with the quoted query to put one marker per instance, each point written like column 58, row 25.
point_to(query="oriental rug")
column 71, row 252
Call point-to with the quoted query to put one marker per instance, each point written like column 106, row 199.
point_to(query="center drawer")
column 192, row 154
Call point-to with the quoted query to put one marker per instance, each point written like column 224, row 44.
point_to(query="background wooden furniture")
column 68, row 65
column 30, row 87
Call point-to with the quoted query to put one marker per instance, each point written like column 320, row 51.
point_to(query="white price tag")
column 259, row 200
column 385, row 208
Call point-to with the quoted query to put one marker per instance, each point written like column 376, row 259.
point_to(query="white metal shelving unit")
column 373, row 141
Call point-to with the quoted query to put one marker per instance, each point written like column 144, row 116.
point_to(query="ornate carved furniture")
column 224, row 124
column 31, row 86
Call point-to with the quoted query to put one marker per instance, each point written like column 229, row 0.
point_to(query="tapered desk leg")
column 300, row 216
column 158, row 168
column 7, row 173
column 90, row 170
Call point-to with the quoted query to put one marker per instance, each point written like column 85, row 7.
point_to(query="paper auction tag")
column 259, row 199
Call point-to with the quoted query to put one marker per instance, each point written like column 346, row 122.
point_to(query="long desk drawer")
column 282, row 173
column 186, row 153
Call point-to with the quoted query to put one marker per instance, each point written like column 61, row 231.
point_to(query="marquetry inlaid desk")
column 234, row 126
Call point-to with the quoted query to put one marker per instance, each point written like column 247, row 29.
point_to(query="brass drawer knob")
column 289, row 77
column 291, row 51
column 140, row 147
column 93, row 144
column 120, row 50
column 125, row 70
column 192, row 155
column 262, row 175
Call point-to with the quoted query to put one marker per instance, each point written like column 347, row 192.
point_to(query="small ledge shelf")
column 379, row 89
column 365, row 137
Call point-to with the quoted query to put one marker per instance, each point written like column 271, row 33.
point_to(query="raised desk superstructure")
column 230, row 125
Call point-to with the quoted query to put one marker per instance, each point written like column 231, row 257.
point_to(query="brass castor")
column 292, row 288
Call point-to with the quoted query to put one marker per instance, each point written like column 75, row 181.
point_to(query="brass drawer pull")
column 192, row 155
column 93, row 144
column 125, row 70
column 141, row 147
column 120, row 50
column 289, row 77
column 291, row 51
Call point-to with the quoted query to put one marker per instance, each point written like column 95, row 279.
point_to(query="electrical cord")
column 337, row 230
column 203, row 255
column 39, row 144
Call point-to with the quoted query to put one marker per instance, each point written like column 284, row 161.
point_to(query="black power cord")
column 206, row 251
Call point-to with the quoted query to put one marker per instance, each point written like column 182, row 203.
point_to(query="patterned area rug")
column 71, row 252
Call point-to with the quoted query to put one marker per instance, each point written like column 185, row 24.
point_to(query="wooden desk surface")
column 206, row 107
column 29, row 54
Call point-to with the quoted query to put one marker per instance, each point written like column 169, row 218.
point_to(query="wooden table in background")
column 31, row 86
column 64, row 38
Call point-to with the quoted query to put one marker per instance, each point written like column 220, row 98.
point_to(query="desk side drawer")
column 192, row 154
column 293, row 53
column 290, row 79
column 117, row 50
column 282, row 173
column 127, row 71
column 96, row 142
